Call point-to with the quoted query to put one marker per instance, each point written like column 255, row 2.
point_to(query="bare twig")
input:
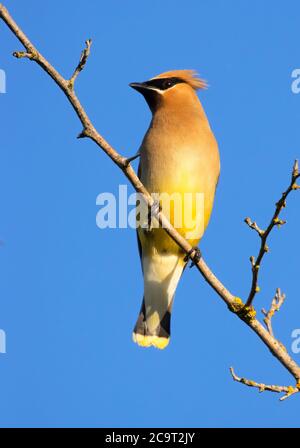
column 235, row 304
column 254, row 226
column 275, row 306
column 23, row 54
column 288, row 390
column 263, row 234
column 83, row 59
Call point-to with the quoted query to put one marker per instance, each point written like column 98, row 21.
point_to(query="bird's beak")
column 139, row 86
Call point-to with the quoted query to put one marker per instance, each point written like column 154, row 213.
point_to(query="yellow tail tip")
column 148, row 341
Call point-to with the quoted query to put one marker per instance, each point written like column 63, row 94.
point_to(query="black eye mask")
column 163, row 83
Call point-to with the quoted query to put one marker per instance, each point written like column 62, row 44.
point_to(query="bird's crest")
column 188, row 76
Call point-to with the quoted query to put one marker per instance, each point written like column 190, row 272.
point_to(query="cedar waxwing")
column 178, row 155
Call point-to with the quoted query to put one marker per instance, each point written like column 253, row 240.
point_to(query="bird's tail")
column 161, row 276
column 159, row 336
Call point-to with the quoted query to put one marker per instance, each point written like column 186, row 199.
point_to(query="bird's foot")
column 152, row 212
column 155, row 207
column 196, row 258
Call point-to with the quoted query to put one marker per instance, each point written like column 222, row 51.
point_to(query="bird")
column 178, row 156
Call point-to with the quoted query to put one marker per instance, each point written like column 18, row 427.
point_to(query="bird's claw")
column 155, row 207
column 196, row 258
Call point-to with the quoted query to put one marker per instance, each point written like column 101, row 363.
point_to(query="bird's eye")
column 168, row 83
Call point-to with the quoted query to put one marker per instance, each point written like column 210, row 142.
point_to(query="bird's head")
column 170, row 88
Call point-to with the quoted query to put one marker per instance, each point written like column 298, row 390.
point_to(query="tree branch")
column 235, row 304
column 81, row 64
column 277, row 301
column 264, row 234
column 288, row 390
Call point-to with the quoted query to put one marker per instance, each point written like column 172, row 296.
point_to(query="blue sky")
column 70, row 292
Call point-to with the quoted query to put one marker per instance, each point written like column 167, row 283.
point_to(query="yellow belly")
column 187, row 210
column 184, row 181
